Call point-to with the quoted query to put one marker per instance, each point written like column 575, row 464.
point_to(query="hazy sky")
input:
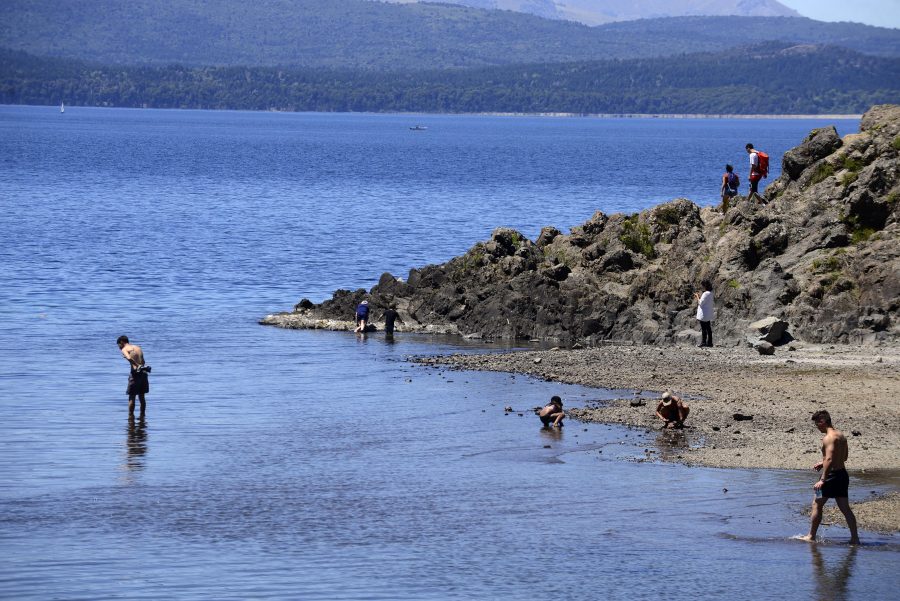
column 884, row 13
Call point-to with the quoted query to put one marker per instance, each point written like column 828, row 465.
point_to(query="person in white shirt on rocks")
column 706, row 312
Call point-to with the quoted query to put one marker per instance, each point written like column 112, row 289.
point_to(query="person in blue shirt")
column 362, row 317
column 730, row 183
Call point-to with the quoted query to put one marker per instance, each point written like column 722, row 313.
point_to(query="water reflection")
column 551, row 433
column 831, row 581
column 135, row 445
column 671, row 443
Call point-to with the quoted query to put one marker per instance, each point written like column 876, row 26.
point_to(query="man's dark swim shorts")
column 138, row 383
column 836, row 484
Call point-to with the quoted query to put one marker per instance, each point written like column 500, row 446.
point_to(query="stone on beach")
column 769, row 329
column 764, row 348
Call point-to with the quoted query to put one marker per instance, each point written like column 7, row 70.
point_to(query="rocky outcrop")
column 823, row 255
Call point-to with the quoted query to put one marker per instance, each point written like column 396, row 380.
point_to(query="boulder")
column 818, row 144
column 764, row 348
column 769, row 329
column 548, row 234
column 692, row 337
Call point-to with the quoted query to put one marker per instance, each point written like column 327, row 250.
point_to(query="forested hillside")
column 358, row 34
column 771, row 78
column 596, row 12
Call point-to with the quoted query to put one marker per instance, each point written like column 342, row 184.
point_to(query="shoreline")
column 553, row 115
column 860, row 387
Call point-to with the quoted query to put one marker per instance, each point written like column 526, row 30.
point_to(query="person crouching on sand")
column 672, row 410
column 552, row 412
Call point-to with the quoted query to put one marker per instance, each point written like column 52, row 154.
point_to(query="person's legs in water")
column 815, row 519
column 844, row 505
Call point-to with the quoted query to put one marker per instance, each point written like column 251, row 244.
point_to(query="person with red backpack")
column 730, row 184
column 759, row 168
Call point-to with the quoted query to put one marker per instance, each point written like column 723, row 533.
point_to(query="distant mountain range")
column 362, row 55
column 361, row 34
column 597, row 12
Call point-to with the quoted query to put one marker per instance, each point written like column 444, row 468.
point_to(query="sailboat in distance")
column 62, row 107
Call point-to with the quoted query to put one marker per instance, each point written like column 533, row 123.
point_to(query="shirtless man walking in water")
column 834, row 481
column 138, row 380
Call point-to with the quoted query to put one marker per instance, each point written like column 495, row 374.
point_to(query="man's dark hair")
column 706, row 285
column 122, row 340
column 555, row 400
column 729, row 168
column 749, row 146
column 822, row 415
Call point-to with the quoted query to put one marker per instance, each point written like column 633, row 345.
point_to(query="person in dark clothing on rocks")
column 834, row 482
column 138, row 379
column 730, row 184
column 552, row 413
column 390, row 316
column 362, row 317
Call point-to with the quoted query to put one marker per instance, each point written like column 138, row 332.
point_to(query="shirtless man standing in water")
column 834, row 481
column 138, row 380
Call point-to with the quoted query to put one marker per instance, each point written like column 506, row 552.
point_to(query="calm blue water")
column 284, row 464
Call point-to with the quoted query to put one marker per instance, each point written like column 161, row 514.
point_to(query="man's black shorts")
column 836, row 484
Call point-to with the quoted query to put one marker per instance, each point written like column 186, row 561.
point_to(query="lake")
column 277, row 464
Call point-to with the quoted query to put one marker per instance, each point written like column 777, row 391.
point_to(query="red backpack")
column 763, row 167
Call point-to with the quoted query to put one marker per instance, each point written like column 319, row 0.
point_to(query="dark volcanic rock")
column 819, row 144
column 823, row 255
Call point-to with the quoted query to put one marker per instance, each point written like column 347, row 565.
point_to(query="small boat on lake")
column 62, row 107
column 418, row 128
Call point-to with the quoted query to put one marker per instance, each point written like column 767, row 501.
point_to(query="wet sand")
column 859, row 386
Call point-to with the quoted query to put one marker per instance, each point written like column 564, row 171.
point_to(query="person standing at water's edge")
column 706, row 312
column 834, row 481
column 138, row 379
column 390, row 316
column 362, row 317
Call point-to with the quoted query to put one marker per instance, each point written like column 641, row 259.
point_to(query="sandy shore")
column 859, row 386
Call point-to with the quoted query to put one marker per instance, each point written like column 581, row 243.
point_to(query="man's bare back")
column 840, row 451
column 134, row 355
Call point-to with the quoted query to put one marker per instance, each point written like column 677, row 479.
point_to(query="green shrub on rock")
column 636, row 237
column 823, row 171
